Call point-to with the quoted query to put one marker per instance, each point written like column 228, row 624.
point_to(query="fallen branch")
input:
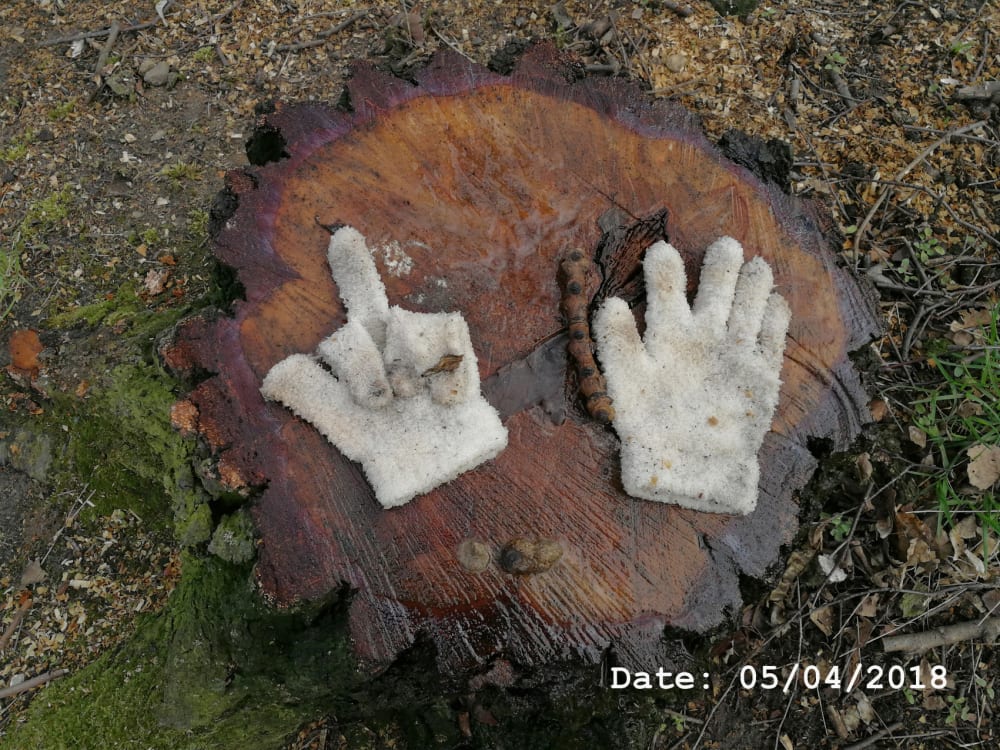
column 104, row 32
column 102, row 57
column 93, row 34
column 986, row 90
column 31, row 684
column 15, row 622
column 987, row 630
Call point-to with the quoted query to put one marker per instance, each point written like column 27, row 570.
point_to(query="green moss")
column 204, row 54
column 11, row 281
column 62, row 111
column 123, row 305
column 17, row 149
column 233, row 539
column 197, row 227
column 122, row 442
column 180, row 173
column 151, row 236
column 42, row 217
column 215, row 669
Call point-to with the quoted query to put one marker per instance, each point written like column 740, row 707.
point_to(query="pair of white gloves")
column 693, row 398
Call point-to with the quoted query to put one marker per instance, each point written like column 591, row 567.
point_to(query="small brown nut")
column 527, row 555
column 473, row 555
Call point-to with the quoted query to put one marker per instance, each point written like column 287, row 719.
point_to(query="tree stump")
column 472, row 186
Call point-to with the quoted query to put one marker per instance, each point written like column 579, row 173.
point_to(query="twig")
column 987, row 629
column 711, row 714
column 869, row 741
column 103, row 32
column 322, row 36
column 102, row 58
column 905, row 171
column 452, row 45
column 15, row 622
column 32, row 683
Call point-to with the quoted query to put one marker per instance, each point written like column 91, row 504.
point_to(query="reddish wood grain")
column 486, row 182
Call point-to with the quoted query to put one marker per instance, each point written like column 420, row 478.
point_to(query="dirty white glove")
column 402, row 393
column 694, row 398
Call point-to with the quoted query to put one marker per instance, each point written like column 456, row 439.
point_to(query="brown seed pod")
column 527, row 555
column 447, row 363
column 575, row 273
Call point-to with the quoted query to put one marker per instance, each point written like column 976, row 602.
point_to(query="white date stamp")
column 872, row 677
column 786, row 679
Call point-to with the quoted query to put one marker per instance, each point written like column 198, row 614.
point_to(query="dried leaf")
column 869, row 606
column 865, row 468
column 786, row 742
column 912, row 605
column 934, row 703
column 972, row 319
column 156, row 281
column 918, row 436
column 879, row 409
column 976, row 562
column 968, row 409
column 885, row 513
column 835, row 574
column 797, row 562
column 822, row 618
column 24, row 347
column 32, row 574
column 865, row 710
column 920, row 552
column 909, row 528
column 984, row 466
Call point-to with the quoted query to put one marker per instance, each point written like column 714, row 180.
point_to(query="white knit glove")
column 695, row 397
column 402, row 393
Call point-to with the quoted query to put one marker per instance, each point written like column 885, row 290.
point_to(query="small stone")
column 676, row 62
column 158, row 75
column 120, row 85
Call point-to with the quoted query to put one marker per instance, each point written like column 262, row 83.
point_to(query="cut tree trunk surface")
column 472, row 187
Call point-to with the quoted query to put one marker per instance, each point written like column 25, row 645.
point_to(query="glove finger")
column 666, row 290
column 316, row 396
column 717, row 285
column 618, row 344
column 452, row 380
column 400, row 357
column 358, row 281
column 753, row 287
column 774, row 326
column 355, row 360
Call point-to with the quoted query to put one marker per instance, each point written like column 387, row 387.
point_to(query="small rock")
column 158, row 75
column 120, row 85
column 146, row 65
column 676, row 62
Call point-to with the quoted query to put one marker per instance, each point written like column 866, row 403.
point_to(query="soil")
column 111, row 163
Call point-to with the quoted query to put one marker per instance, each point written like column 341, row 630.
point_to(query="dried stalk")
column 19, row 615
column 31, row 684
column 987, row 630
